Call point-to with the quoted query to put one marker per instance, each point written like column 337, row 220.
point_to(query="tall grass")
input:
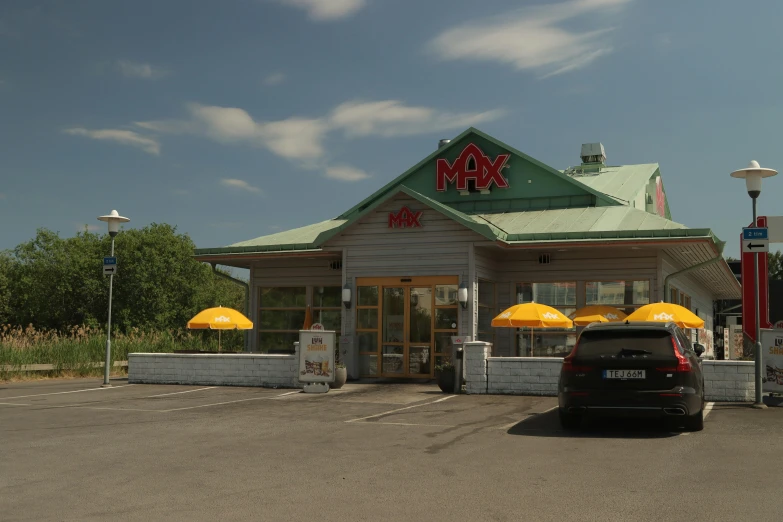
column 78, row 348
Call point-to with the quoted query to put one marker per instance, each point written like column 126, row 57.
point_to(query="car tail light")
column 568, row 363
column 683, row 364
column 579, row 394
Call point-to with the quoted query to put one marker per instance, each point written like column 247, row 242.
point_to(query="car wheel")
column 570, row 421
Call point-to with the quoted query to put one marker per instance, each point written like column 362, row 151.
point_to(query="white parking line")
column 177, row 393
column 285, row 394
column 708, row 409
column 12, row 404
column 222, row 403
column 511, row 425
column 61, row 393
column 400, row 409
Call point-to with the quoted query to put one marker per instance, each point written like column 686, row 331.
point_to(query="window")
column 282, row 313
column 281, row 316
column 624, row 295
column 446, row 321
column 327, row 302
column 549, row 342
column 486, row 311
column 367, row 311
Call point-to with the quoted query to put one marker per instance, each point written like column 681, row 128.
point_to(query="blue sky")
column 240, row 118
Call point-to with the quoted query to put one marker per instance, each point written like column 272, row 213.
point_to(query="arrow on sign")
column 752, row 246
column 109, row 269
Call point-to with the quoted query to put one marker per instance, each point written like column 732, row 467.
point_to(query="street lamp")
column 114, row 220
column 753, row 174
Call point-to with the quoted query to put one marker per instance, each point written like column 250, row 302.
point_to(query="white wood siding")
column 701, row 299
column 439, row 247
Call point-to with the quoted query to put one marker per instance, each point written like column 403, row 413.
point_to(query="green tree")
column 775, row 265
column 52, row 282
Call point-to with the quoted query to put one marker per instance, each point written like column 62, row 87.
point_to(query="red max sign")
column 404, row 218
column 485, row 171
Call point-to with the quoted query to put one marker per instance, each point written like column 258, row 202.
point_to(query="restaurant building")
column 470, row 230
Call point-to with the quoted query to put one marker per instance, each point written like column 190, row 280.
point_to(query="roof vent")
column 593, row 153
column 442, row 143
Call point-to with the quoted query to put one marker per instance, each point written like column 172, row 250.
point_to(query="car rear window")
column 611, row 342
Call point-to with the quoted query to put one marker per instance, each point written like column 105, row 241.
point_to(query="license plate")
column 624, row 374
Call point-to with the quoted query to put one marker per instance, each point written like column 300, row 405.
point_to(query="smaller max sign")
column 472, row 165
column 405, row 218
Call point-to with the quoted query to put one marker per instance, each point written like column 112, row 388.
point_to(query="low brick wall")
column 729, row 381
column 270, row 371
column 523, row 375
column 724, row 381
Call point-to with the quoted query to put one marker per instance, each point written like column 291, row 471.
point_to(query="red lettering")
column 405, row 218
column 484, row 174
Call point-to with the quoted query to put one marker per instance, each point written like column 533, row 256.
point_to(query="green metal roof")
column 297, row 239
column 621, row 182
column 575, row 221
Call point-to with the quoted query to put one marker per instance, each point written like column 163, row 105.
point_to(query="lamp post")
column 753, row 174
column 114, row 220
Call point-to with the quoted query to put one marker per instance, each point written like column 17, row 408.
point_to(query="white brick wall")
column 475, row 354
column 523, row 375
column 271, row 371
column 724, row 381
column 729, row 381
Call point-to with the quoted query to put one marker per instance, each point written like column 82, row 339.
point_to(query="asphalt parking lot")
column 75, row 451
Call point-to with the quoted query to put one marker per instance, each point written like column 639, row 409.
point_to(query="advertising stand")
column 772, row 358
column 316, row 359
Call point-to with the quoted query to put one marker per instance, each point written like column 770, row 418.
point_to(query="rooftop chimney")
column 593, row 153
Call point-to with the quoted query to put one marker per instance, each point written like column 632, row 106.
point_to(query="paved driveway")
column 75, row 451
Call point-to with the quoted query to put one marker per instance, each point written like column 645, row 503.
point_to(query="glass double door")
column 406, row 331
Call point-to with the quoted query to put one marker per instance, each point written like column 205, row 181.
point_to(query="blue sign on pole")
column 109, row 260
column 755, row 233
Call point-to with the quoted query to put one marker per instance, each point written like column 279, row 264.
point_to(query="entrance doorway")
column 404, row 325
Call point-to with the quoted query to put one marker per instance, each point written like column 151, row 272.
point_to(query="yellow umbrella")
column 532, row 315
column 665, row 312
column 596, row 314
column 220, row 319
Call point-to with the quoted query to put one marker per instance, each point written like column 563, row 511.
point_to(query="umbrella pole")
column 219, row 332
column 531, row 341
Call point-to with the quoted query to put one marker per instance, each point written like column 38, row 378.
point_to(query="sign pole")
column 759, row 403
column 107, row 367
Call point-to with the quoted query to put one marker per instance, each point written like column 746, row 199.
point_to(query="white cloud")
column 530, row 39
column 240, row 185
column 274, row 79
column 90, row 228
column 346, row 173
column 301, row 140
column 326, row 10
column 123, row 137
column 140, row 70
column 393, row 118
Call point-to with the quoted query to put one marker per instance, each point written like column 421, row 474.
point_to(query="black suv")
column 633, row 369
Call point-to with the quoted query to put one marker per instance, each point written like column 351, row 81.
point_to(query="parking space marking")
column 412, row 424
column 399, row 409
column 61, row 393
column 284, row 394
column 12, row 404
column 708, row 409
column 177, row 393
column 222, row 403
column 511, row 425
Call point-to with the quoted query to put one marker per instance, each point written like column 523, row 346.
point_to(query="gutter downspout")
column 247, row 299
column 666, row 296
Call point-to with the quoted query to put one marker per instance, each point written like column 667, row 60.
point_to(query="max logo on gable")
column 405, row 217
column 482, row 170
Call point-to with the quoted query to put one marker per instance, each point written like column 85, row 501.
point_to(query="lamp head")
column 113, row 219
column 753, row 174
